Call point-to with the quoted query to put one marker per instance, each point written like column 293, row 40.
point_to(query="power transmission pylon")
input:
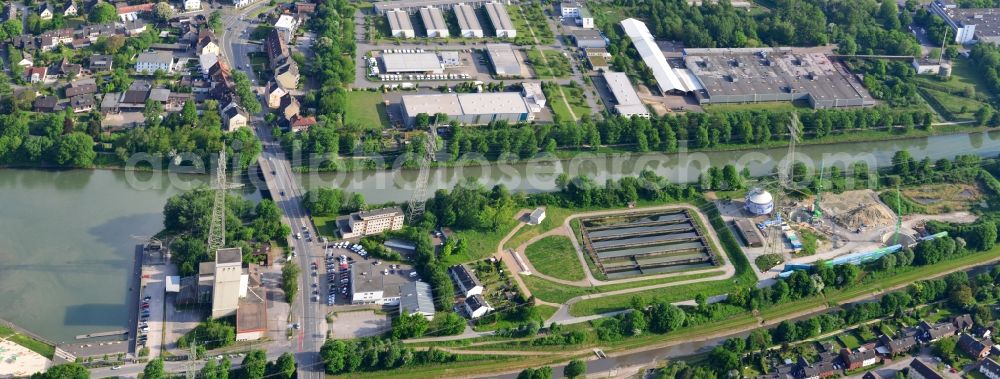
column 418, row 201
column 217, row 227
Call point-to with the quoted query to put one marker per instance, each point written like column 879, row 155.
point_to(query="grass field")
column 554, row 218
column 849, row 340
column 958, row 107
column 558, row 293
column 943, row 198
column 366, row 109
column 555, row 64
column 576, row 100
column 32, row 344
column 479, row 244
column 782, row 106
column 556, row 257
column 326, row 226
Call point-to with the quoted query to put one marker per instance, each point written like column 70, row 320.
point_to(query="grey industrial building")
column 416, row 297
column 415, row 5
column 627, row 100
column 399, row 24
column 500, row 20
column 468, row 108
column 753, row 75
column 969, row 24
column 468, row 22
column 503, row 59
column 412, row 63
column 434, row 22
column 589, row 38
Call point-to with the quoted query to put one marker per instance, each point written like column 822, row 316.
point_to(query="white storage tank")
column 759, row 202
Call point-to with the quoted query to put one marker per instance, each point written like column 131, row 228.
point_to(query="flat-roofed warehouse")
column 503, row 59
column 753, row 75
column 399, row 24
column 628, row 102
column 500, row 20
column 666, row 78
column 969, row 24
column 468, row 108
column 415, row 5
column 468, row 22
column 412, row 63
column 434, row 22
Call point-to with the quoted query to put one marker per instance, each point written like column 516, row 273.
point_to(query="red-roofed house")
column 37, row 74
column 299, row 123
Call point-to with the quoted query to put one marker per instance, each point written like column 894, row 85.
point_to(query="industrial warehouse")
column 646, row 243
column 969, row 24
column 468, row 23
column 626, row 99
column 468, row 108
column 395, row 63
column 753, row 75
column 434, row 22
column 500, row 20
column 503, row 59
column 399, row 24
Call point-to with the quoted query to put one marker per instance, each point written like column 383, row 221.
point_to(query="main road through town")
column 277, row 172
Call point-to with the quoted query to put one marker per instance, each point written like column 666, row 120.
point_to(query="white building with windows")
column 192, row 5
column 149, row 63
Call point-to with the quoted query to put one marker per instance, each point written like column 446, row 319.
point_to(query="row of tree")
column 372, row 354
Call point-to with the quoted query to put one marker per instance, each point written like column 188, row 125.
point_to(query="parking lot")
column 332, row 275
column 151, row 310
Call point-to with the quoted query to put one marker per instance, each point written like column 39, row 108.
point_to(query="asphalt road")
column 285, row 190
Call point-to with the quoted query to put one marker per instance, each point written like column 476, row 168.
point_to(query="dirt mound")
column 871, row 215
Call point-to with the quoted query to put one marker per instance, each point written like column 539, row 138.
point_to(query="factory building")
column 468, row 108
column 589, row 38
column 753, row 75
column 228, row 282
column 627, row 100
column 369, row 286
column 434, row 22
column 759, row 202
column 534, row 96
column 468, row 23
column 500, row 20
column 415, row 5
column 666, row 79
column 576, row 11
column 396, row 63
column 416, row 297
column 399, row 24
column 969, row 24
column 503, row 59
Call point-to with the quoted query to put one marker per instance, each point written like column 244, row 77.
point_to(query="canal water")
column 67, row 237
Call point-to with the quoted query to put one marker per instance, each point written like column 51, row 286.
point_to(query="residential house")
column 466, row 281
column 975, row 348
column 134, row 27
column 25, row 42
column 858, row 358
column 10, row 12
column 207, row 43
column 45, row 11
column 45, row 104
column 37, row 74
column 95, row 31
column 287, row 76
column 476, row 306
column 276, row 49
column 274, row 93
column 69, row 10
column 136, row 95
column 100, row 63
column 82, row 103
column 67, row 69
column 919, row 369
column 192, row 5
column 241, row 3
column 894, row 347
column 131, row 12
column 207, row 61
column 299, row 123
column 937, row 331
column 990, row 369
column 825, row 366
column 81, row 87
column 235, row 117
column 963, row 322
column 872, row 375
column 155, row 61
column 285, row 26
column 27, row 60
column 289, row 107
column 305, row 8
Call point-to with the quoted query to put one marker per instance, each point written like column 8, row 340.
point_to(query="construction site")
column 642, row 243
column 849, row 227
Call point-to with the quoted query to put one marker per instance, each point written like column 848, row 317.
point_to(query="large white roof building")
column 643, row 40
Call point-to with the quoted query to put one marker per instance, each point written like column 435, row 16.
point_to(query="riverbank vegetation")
column 248, row 226
column 27, row 341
